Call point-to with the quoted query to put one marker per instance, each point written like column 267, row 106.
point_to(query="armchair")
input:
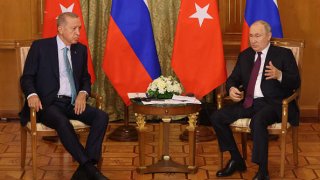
column 242, row 125
column 36, row 129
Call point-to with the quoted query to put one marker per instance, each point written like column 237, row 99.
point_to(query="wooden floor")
column 121, row 158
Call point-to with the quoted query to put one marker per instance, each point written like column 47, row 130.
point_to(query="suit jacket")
column 41, row 72
column 273, row 90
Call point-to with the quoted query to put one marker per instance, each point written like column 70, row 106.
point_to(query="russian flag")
column 130, row 59
column 266, row 10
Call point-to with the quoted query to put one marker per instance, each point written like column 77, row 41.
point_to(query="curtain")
column 96, row 13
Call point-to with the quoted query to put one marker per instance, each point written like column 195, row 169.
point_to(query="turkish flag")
column 53, row 9
column 197, row 57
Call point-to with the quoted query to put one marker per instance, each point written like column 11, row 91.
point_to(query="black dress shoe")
column 52, row 139
column 231, row 167
column 93, row 173
column 80, row 174
column 260, row 176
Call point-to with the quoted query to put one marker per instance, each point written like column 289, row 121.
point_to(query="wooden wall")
column 22, row 19
column 9, row 94
column 300, row 19
column 231, row 20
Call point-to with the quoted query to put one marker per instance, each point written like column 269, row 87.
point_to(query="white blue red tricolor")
column 130, row 59
column 266, row 10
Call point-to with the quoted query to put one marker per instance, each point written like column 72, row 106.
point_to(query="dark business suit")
column 266, row 110
column 41, row 76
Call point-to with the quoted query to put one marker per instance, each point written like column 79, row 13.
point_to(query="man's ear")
column 270, row 35
column 60, row 29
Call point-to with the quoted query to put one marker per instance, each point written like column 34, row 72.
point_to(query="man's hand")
column 272, row 72
column 34, row 102
column 235, row 94
column 80, row 103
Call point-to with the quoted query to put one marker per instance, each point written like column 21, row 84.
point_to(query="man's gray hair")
column 266, row 25
column 62, row 17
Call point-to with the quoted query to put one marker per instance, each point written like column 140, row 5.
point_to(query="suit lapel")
column 74, row 58
column 269, row 57
column 247, row 66
column 251, row 60
column 55, row 57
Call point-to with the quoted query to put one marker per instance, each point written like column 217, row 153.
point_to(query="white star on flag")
column 66, row 9
column 201, row 13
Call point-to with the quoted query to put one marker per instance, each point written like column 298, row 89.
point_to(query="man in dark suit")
column 276, row 77
column 56, row 83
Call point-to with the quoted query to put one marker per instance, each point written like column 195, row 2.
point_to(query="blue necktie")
column 70, row 75
column 248, row 101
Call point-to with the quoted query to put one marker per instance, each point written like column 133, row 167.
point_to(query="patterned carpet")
column 120, row 159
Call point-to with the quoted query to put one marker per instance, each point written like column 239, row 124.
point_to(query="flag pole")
column 126, row 132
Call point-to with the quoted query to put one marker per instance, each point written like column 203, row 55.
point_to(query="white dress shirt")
column 257, row 88
column 65, row 88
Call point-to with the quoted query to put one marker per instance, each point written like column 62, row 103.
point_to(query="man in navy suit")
column 58, row 95
column 277, row 78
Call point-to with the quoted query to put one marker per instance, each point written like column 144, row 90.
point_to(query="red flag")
column 197, row 57
column 52, row 11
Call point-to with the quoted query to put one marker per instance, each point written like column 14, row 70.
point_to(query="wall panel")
column 300, row 20
column 9, row 81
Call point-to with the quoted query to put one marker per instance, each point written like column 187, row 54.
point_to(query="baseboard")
column 9, row 114
column 309, row 111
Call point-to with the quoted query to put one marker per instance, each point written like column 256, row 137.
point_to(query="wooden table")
column 166, row 112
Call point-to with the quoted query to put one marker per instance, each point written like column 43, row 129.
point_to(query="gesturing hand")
column 272, row 72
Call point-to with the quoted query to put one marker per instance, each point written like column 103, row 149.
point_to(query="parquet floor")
column 121, row 158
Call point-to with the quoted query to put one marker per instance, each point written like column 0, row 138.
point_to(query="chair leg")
column 34, row 154
column 295, row 144
column 282, row 153
column 23, row 139
column 244, row 145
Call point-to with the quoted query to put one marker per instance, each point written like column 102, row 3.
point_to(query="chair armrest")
column 33, row 120
column 222, row 99
column 219, row 101
column 98, row 99
column 285, row 106
column 290, row 98
column 220, row 96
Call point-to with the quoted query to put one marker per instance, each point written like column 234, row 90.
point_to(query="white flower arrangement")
column 164, row 88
